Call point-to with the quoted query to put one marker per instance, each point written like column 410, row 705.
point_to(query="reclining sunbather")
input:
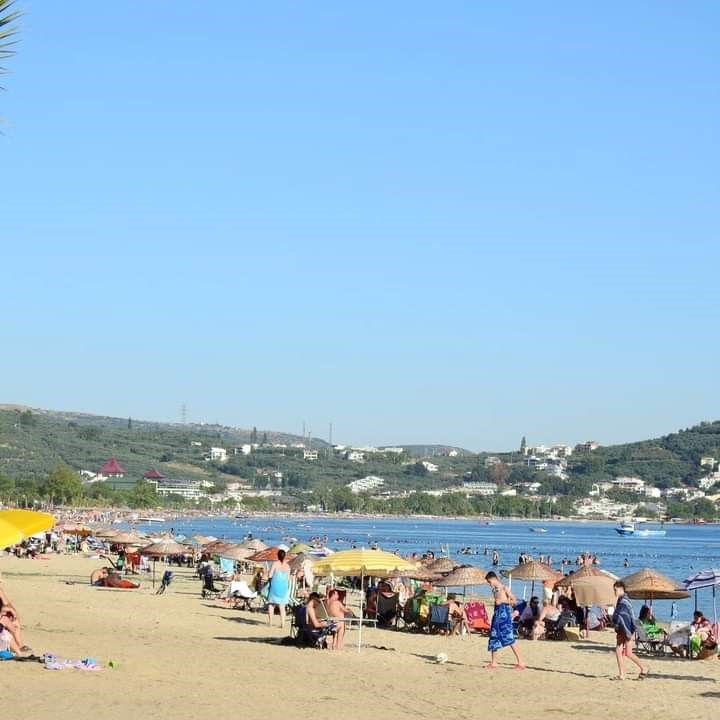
column 111, row 578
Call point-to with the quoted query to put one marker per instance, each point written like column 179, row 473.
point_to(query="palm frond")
column 8, row 16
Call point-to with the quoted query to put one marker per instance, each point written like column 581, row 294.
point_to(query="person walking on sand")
column 501, row 627
column 279, row 591
column 624, row 623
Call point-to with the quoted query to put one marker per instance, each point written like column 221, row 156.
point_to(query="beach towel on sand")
column 501, row 628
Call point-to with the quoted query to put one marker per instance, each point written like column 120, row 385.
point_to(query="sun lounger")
column 477, row 616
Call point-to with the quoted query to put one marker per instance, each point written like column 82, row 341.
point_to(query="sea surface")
column 685, row 550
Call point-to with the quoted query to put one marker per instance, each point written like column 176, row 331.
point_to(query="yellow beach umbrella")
column 16, row 525
column 361, row 562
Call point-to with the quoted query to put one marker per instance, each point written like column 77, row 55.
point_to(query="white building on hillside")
column 479, row 488
column 364, row 484
column 430, row 467
column 218, row 454
column 630, row 484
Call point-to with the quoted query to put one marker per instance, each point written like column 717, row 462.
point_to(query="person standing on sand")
column 501, row 627
column 624, row 623
column 279, row 592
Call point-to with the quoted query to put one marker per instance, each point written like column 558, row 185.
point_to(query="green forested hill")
column 667, row 461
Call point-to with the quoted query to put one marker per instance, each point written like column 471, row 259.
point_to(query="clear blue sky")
column 426, row 222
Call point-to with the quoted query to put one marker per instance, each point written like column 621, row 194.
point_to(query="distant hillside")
column 432, row 450
column 32, row 441
column 667, row 461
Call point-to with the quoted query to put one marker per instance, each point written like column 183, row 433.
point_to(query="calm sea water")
column 683, row 551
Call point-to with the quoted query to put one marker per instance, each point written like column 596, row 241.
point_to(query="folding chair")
column 439, row 618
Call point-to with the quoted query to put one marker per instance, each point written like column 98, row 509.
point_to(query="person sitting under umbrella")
column 702, row 641
column 529, row 616
column 652, row 629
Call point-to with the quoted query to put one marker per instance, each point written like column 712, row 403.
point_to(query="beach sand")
column 180, row 656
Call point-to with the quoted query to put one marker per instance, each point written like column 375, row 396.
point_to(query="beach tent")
column 361, row 562
column 18, row 525
column 704, row 579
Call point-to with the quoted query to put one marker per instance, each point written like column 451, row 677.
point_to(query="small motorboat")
column 630, row 529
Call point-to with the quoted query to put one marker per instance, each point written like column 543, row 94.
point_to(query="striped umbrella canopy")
column 704, row 579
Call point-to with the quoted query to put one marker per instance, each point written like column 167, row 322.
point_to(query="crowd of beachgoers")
column 432, row 595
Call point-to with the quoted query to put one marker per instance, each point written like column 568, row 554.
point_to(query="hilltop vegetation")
column 41, row 450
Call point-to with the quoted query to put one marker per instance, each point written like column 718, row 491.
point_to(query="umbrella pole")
column 714, row 607
column 153, row 576
column 362, row 595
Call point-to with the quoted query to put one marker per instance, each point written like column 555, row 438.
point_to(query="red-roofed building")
column 153, row 474
column 112, row 468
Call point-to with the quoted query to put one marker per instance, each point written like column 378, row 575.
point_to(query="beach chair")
column 387, row 610
column 439, row 620
column 477, row 616
column 555, row 629
column 227, row 568
column 304, row 635
column 209, row 590
column 241, row 595
column 165, row 582
column 645, row 644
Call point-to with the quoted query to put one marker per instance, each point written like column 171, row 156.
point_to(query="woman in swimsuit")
column 279, row 593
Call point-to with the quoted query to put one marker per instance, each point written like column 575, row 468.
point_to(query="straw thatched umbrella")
column 583, row 572
column 463, row 576
column 422, row 574
column 442, row 565
column 254, row 545
column 648, row 584
column 594, row 590
column 216, row 546
column 125, row 538
column 202, row 540
column 532, row 572
column 235, row 552
column 105, row 533
column 165, row 548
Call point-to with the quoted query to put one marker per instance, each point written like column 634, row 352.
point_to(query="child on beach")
column 501, row 627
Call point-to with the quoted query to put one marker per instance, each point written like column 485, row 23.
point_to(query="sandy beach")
column 180, row 656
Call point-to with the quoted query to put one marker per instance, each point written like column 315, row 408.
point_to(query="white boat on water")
column 631, row 529
column 538, row 529
column 150, row 520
